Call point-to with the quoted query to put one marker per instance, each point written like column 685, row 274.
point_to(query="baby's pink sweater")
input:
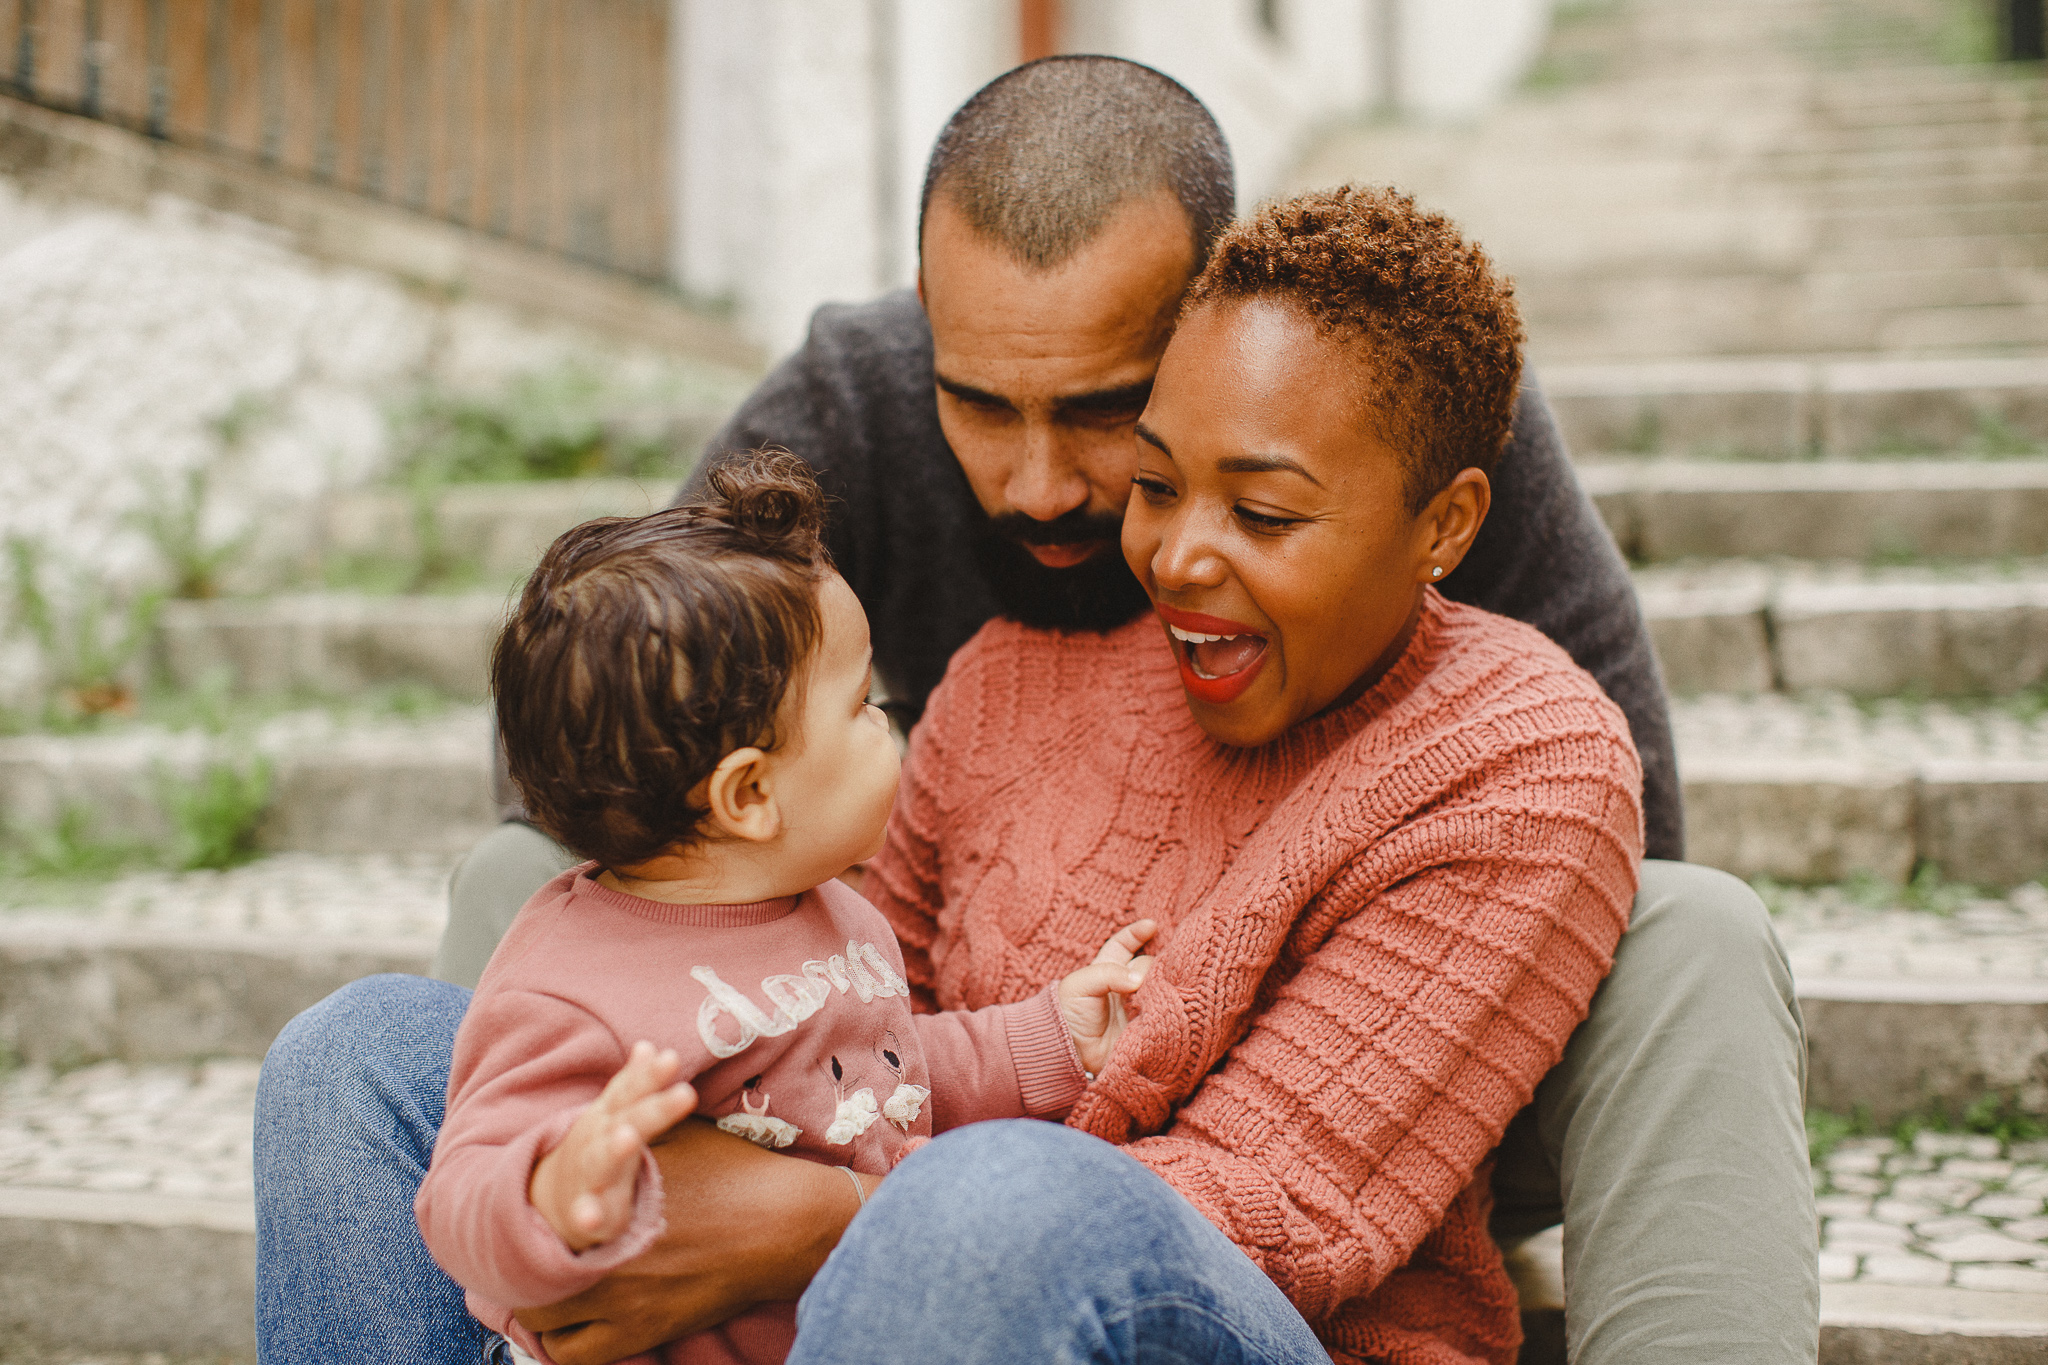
column 794, row 1024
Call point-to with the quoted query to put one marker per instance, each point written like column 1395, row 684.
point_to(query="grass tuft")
column 214, row 816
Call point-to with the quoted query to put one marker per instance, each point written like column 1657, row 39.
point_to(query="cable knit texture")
column 1380, row 930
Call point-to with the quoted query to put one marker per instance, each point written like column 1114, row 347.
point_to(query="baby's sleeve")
column 526, row 1064
column 1002, row 1062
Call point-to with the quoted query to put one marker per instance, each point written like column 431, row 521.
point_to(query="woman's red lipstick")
column 1224, row 689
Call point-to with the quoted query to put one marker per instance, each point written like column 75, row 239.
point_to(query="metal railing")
column 544, row 121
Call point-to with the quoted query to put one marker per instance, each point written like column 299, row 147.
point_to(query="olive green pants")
column 1670, row 1140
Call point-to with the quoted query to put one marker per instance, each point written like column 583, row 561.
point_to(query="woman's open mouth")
column 1218, row 659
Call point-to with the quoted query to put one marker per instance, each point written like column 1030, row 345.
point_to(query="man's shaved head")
column 1041, row 158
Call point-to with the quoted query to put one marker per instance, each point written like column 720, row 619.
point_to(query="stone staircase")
column 1751, row 177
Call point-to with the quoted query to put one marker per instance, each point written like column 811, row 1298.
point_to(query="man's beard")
column 1097, row 594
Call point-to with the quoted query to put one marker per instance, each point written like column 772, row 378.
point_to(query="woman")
column 1392, row 843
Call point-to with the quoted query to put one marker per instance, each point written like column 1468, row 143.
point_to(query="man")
column 979, row 438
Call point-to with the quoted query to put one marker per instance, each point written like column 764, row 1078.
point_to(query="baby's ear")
column 737, row 798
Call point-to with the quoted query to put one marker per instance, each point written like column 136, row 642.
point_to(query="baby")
column 683, row 700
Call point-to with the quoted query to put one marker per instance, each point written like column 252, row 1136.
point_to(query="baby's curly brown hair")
column 645, row 649
column 1439, row 330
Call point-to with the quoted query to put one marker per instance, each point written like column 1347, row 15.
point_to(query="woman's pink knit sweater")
column 1379, row 931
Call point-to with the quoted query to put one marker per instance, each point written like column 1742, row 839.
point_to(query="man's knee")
column 1704, row 920
column 490, row 884
column 1700, row 968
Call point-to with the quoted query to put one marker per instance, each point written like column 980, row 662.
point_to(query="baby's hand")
column 584, row 1187
column 1092, row 999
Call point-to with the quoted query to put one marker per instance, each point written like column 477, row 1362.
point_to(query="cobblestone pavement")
column 1948, row 1210
column 1888, row 733
column 1867, row 934
column 290, row 894
column 168, row 1130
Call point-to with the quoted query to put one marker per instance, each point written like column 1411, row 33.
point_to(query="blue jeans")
column 1669, row 1140
column 1015, row 1241
column 351, row 1097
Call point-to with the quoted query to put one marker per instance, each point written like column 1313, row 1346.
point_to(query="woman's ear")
column 1450, row 523
column 737, row 799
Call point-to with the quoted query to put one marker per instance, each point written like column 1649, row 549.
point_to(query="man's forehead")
column 1128, row 280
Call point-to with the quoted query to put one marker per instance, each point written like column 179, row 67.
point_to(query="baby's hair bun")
column 771, row 498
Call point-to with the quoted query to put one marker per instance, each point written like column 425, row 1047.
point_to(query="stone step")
column 1727, row 627
column 161, row 967
column 126, row 1215
column 333, row 644
column 1736, row 626
column 1797, row 407
column 1675, row 316
column 1919, row 999
column 497, row 529
column 1912, row 995
column 1818, row 789
column 1812, row 789
column 1857, row 510
column 336, row 785
column 1861, row 1324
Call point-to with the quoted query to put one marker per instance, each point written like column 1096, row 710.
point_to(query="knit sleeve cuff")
column 574, row 1271
column 1049, row 1074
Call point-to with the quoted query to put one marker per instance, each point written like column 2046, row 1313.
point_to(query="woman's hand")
column 584, row 1186
column 1091, row 1000
column 745, row 1226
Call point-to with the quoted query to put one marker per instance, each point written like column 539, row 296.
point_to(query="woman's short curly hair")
column 645, row 649
column 1437, row 327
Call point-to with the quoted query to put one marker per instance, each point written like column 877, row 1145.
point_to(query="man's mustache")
column 1069, row 528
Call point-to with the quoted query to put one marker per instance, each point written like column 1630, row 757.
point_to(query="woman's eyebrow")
column 1264, row 464
column 1151, row 438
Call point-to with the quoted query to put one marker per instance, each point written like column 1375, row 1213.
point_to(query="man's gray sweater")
column 857, row 403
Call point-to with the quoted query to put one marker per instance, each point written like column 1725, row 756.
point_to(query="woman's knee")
column 384, row 1041
column 1029, row 1178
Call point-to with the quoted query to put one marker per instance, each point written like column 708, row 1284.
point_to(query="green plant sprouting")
column 1995, row 1114
column 557, row 425
column 89, row 637
column 214, row 815
column 67, row 849
column 175, row 525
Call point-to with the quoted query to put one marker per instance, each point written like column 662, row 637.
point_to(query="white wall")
column 778, row 151
column 802, row 126
column 1269, row 90
column 1458, row 57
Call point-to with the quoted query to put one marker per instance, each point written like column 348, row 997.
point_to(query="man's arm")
column 1545, row 557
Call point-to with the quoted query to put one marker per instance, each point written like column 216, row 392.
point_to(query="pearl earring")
column 1437, row 572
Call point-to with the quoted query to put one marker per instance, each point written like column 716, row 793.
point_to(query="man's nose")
column 1047, row 481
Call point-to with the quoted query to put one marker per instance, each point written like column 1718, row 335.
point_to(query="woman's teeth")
column 1219, row 656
